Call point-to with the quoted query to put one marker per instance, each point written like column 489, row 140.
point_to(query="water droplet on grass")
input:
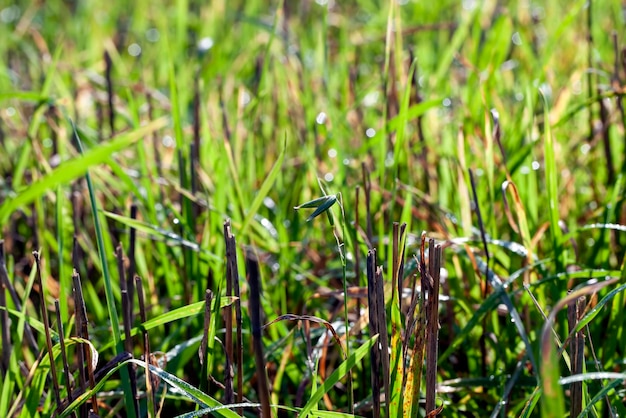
column 269, row 203
column 168, row 141
column 585, row 148
column 134, row 50
column 10, row 14
column 205, row 44
column 371, row 99
column 152, row 35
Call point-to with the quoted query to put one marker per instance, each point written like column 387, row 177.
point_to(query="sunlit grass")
column 495, row 128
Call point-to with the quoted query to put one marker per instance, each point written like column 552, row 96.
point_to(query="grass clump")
column 153, row 262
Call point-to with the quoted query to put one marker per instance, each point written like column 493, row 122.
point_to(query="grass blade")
column 337, row 375
column 75, row 168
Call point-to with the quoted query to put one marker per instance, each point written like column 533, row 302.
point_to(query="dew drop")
column 134, row 50
column 152, row 35
column 205, row 44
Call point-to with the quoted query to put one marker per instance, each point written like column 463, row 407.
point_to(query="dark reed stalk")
column 77, row 203
column 84, row 353
column 155, row 139
column 497, row 135
column 367, row 188
column 416, row 324
column 605, row 122
column 225, row 124
column 147, row 356
column 126, row 320
column 2, row 136
column 4, row 314
column 51, row 116
column 6, row 282
column 231, row 269
column 375, row 354
column 362, row 389
column 80, row 352
column 119, row 256
column 66, row 366
column 232, row 275
column 590, row 88
column 75, row 252
column 484, row 285
column 204, row 379
column 34, row 224
column 46, row 325
column 616, row 83
column 383, row 338
column 254, row 305
column 355, row 238
column 132, row 265
column 432, row 323
column 575, row 310
column 109, row 85
column 99, row 121
column 419, row 125
column 258, row 74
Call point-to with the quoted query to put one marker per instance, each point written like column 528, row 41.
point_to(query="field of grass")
column 239, row 203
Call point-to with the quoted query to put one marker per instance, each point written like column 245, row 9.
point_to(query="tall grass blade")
column 254, row 278
column 552, row 175
column 337, row 375
column 108, row 283
column 263, row 190
column 44, row 316
column 75, row 168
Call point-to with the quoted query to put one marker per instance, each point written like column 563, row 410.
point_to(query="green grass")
column 372, row 113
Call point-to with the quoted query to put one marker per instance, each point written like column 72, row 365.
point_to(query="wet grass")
column 331, row 209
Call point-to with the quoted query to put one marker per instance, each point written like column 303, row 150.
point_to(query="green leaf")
column 193, row 394
column 264, row 190
column 339, row 373
column 157, row 231
column 75, row 168
column 174, row 315
column 322, row 204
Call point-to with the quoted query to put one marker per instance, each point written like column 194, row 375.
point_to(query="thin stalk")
column 108, row 286
column 147, row 356
column 66, row 366
column 46, row 324
column 254, row 304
